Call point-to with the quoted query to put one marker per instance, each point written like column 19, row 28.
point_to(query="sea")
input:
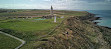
column 105, row 17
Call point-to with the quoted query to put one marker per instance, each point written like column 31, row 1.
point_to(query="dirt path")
column 23, row 42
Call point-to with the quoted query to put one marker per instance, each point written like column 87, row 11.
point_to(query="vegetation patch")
column 31, row 30
column 7, row 42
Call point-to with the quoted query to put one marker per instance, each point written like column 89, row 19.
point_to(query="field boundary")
column 23, row 42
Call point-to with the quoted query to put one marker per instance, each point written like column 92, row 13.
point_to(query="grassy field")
column 28, row 29
column 31, row 29
column 74, row 33
column 43, row 12
column 7, row 42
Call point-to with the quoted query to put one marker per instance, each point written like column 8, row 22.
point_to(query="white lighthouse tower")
column 52, row 14
column 51, row 11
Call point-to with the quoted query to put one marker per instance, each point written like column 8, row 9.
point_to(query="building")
column 51, row 15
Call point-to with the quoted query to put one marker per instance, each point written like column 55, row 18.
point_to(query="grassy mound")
column 76, row 33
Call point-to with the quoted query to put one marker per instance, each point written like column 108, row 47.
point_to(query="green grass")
column 26, row 25
column 7, row 42
column 72, row 13
column 30, row 29
column 43, row 12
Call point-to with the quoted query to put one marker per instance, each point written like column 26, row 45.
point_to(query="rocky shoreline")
column 97, row 18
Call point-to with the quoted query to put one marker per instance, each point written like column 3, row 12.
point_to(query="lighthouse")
column 52, row 14
column 51, row 11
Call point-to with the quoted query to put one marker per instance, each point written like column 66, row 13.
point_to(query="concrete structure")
column 62, row 17
column 54, row 18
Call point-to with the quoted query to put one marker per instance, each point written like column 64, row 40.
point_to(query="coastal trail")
column 23, row 42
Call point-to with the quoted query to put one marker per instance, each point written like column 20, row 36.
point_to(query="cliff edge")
column 77, row 32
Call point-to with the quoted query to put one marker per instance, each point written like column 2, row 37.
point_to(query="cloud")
column 25, row 6
column 82, row 4
column 108, row 0
column 47, row 0
column 62, row 4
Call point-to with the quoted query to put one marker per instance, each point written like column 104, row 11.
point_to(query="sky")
column 57, row 4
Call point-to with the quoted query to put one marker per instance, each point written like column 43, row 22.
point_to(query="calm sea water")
column 106, row 17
